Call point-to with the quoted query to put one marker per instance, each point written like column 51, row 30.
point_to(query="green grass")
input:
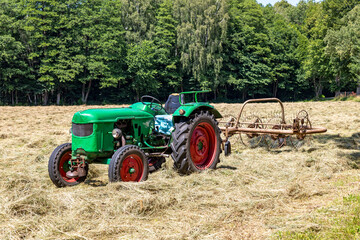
column 342, row 221
column 349, row 98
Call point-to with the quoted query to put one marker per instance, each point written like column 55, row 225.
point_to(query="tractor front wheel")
column 59, row 165
column 128, row 164
column 196, row 144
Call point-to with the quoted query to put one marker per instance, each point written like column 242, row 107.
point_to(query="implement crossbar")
column 233, row 130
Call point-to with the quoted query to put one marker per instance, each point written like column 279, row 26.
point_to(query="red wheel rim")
column 64, row 167
column 132, row 169
column 203, row 144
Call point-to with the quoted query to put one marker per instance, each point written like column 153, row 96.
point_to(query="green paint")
column 146, row 108
column 200, row 146
column 111, row 115
column 191, row 107
column 100, row 145
column 103, row 161
column 132, row 170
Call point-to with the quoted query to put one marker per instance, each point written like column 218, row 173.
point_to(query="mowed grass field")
column 311, row 192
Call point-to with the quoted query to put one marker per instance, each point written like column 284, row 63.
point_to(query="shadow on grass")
column 227, row 167
column 95, row 183
column 351, row 143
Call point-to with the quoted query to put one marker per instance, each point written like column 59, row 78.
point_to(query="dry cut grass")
column 254, row 193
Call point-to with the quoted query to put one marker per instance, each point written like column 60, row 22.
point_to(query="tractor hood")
column 101, row 115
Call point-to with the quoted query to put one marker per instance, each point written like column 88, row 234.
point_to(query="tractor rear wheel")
column 196, row 144
column 59, row 165
column 128, row 164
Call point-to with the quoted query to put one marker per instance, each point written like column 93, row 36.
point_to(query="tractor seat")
column 172, row 103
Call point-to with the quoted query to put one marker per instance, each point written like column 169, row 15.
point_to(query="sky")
column 272, row 2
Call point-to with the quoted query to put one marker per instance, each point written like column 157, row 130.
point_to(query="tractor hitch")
column 72, row 174
column 79, row 172
column 77, row 168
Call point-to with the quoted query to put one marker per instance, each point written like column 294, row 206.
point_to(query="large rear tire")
column 59, row 165
column 128, row 164
column 196, row 144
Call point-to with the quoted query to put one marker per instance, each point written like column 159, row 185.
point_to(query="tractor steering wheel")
column 153, row 106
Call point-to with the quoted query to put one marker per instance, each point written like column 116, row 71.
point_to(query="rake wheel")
column 303, row 124
column 252, row 140
column 274, row 141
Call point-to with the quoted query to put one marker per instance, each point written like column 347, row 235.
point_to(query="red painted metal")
column 203, row 144
column 134, row 162
column 64, row 167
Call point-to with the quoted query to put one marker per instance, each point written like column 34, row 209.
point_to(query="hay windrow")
column 253, row 194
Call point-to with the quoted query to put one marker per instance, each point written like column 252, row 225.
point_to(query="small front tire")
column 59, row 165
column 128, row 164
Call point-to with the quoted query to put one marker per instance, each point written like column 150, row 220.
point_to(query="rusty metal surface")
column 261, row 100
column 258, row 128
column 234, row 130
column 72, row 174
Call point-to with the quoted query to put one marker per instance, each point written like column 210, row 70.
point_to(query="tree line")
column 114, row 51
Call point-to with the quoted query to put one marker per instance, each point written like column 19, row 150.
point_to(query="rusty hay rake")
column 274, row 132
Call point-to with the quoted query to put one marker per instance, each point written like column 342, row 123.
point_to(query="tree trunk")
column 12, row 98
column 35, row 100
column 30, row 101
column 16, row 97
column 45, row 97
column 243, row 95
column 318, row 88
column 275, row 88
column 358, row 89
column 337, row 80
column 84, row 96
column 83, row 92
column 58, row 95
column 226, row 95
column 137, row 95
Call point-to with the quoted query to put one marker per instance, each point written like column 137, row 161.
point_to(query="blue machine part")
column 164, row 124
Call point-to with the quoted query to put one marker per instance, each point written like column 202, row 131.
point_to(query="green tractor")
column 135, row 140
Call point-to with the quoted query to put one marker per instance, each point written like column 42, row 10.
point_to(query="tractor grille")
column 82, row 130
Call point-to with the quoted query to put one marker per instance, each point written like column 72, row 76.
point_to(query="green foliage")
column 141, row 68
column 201, row 32
column 343, row 46
column 73, row 51
column 99, row 43
column 165, row 40
column 284, row 42
column 248, row 48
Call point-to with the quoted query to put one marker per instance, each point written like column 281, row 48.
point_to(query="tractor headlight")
column 182, row 111
column 116, row 133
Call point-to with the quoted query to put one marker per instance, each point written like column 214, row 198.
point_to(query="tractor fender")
column 192, row 108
